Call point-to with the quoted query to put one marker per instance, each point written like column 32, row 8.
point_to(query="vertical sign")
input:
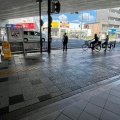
column 15, row 34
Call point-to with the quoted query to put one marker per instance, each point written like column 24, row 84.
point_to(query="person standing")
column 65, row 41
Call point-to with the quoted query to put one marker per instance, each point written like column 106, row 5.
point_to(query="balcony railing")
column 115, row 15
column 114, row 22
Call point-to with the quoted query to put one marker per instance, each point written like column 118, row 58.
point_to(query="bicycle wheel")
column 85, row 47
column 97, row 48
column 110, row 47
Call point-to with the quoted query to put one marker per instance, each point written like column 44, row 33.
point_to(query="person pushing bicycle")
column 106, row 42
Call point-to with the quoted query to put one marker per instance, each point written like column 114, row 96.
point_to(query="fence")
column 19, row 47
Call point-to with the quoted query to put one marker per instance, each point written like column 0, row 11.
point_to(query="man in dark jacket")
column 65, row 41
column 94, row 42
column 106, row 42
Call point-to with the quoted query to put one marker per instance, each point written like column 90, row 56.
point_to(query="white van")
column 31, row 36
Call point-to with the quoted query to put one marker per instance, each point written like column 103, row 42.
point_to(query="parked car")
column 33, row 36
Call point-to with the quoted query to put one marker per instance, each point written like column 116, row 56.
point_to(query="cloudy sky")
column 88, row 17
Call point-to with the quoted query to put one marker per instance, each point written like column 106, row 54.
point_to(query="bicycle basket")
column 86, row 42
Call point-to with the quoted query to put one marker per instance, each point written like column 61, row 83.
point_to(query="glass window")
column 37, row 33
column 32, row 33
column 25, row 33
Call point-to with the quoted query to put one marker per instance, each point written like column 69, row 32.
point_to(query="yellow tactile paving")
column 16, row 71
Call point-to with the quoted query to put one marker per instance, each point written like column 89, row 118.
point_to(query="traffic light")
column 55, row 7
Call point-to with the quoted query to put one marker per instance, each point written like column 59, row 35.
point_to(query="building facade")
column 112, row 18
column 73, row 30
column 98, row 28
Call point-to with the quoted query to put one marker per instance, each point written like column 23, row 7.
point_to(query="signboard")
column 55, row 24
column 113, row 31
column 6, row 49
column 64, row 25
column 27, row 25
column 15, row 33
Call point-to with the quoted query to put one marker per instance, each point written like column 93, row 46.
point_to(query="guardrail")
column 19, row 47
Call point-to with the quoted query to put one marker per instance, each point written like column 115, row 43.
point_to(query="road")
column 57, row 43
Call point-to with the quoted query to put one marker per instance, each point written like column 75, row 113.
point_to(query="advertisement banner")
column 55, row 24
column 64, row 25
column 27, row 25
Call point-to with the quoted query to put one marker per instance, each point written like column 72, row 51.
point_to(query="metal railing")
column 19, row 47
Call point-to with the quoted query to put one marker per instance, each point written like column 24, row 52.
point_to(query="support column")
column 49, row 26
column 40, row 1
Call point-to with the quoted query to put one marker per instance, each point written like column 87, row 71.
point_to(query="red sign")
column 65, row 25
column 27, row 25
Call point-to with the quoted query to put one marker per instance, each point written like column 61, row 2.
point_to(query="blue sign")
column 12, row 26
column 112, row 31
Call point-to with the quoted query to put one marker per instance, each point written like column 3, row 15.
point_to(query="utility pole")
column 81, row 23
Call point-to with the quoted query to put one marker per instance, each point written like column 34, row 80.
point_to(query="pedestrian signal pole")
column 41, row 23
column 53, row 7
column 49, row 26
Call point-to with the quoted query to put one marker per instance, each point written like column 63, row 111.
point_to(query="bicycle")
column 110, row 46
column 96, row 47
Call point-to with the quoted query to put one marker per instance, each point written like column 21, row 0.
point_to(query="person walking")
column 106, row 42
column 65, row 41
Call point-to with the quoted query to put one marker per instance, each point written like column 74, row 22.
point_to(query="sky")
column 88, row 17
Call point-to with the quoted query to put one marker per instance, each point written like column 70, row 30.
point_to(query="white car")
column 32, row 36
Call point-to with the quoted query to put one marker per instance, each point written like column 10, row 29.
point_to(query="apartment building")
column 112, row 18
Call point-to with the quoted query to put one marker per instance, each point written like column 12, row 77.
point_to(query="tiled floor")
column 100, row 106
column 50, row 78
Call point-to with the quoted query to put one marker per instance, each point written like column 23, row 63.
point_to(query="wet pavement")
column 27, row 83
